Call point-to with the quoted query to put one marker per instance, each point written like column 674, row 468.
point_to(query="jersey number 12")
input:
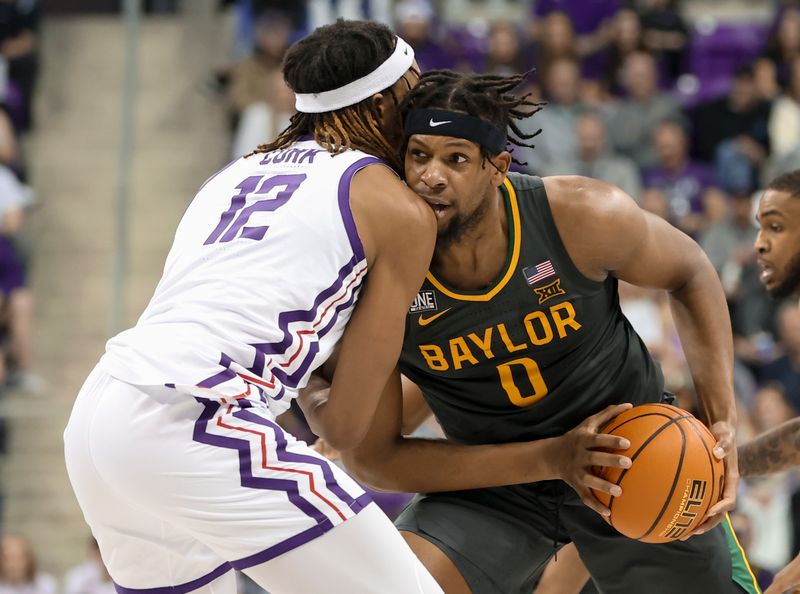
column 232, row 222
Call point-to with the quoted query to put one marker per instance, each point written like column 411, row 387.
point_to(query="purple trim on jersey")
column 287, row 318
column 295, row 541
column 345, row 305
column 221, row 377
column 344, row 203
column 180, row 588
column 242, row 446
column 286, row 456
column 205, row 183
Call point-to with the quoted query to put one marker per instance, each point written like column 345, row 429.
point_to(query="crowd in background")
column 19, row 51
column 689, row 118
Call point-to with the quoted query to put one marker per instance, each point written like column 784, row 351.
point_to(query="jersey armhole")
column 344, row 202
column 554, row 237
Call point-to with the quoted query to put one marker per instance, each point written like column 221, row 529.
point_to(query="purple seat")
column 717, row 51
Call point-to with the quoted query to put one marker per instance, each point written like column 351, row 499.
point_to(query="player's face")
column 453, row 178
column 778, row 242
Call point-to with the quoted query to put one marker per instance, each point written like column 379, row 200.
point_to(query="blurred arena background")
column 114, row 112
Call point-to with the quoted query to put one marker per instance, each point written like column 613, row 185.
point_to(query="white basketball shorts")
column 180, row 490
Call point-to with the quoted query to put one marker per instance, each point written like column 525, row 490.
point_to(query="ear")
column 382, row 103
column 502, row 162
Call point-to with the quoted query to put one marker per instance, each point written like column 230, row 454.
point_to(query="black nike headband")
column 440, row 122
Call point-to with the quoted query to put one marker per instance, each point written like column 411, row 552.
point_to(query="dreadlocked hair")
column 331, row 57
column 490, row 97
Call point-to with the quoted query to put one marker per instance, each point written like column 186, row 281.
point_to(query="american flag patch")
column 543, row 270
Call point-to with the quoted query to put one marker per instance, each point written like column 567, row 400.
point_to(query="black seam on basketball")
column 663, row 427
column 607, row 429
column 674, row 481
column 636, row 454
column 711, row 464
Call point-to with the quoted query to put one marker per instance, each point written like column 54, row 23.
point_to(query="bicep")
column 372, row 340
column 666, row 258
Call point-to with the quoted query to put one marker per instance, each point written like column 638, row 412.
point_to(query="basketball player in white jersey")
column 172, row 448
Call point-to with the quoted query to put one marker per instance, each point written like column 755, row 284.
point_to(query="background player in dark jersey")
column 778, row 247
column 515, row 338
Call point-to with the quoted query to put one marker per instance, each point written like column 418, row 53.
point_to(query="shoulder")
column 523, row 181
column 585, row 197
column 598, row 222
column 387, row 212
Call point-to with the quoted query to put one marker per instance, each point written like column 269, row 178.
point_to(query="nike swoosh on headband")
column 433, row 124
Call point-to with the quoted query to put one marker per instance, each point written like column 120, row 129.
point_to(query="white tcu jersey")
column 259, row 284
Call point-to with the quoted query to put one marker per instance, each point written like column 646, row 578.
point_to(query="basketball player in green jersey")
column 515, row 338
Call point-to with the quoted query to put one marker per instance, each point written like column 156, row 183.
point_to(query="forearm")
column 701, row 317
column 773, row 451
column 425, row 466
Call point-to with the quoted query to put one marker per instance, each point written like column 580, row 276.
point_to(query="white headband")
column 383, row 77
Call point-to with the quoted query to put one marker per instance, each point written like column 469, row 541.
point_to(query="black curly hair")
column 486, row 96
column 331, row 57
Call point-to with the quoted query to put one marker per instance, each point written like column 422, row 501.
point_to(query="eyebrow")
column 767, row 213
column 452, row 143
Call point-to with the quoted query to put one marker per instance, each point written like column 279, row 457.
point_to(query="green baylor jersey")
column 535, row 353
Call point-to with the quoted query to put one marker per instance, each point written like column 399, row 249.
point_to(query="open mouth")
column 439, row 209
column 766, row 273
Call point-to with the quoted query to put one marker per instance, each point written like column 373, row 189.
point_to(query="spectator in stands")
column 785, row 370
column 732, row 132
column 666, row 34
column 414, row 22
column 591, row 22
column 594, row 159
column 18, row 571
column 634, row 121
column 587, row 17
column 784, row 120
column 19, row 45
column 264, row 120
column 9, row 153
column 504, row 51
column 250, row 79
column 649, row 314
column 765, row 75
column 784, row 44
column 555, row 42
column 16, row 299
column 627, row 37
column 557, row 142
column 743, row 527
column 682, row 180
column 90, row 577
column 728, row 242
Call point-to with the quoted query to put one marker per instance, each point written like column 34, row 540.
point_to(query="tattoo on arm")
column 773, row 451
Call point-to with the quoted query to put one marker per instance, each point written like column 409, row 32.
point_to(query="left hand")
column 724, row 450
column 787, row 579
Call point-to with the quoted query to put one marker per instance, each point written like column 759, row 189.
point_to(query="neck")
column 476, row 259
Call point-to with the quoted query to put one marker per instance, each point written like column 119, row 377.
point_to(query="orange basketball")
column 674, row 478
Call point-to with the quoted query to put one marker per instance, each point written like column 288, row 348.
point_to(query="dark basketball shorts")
column 502, row 538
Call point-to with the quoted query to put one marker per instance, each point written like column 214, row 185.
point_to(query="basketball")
column 674, row 478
